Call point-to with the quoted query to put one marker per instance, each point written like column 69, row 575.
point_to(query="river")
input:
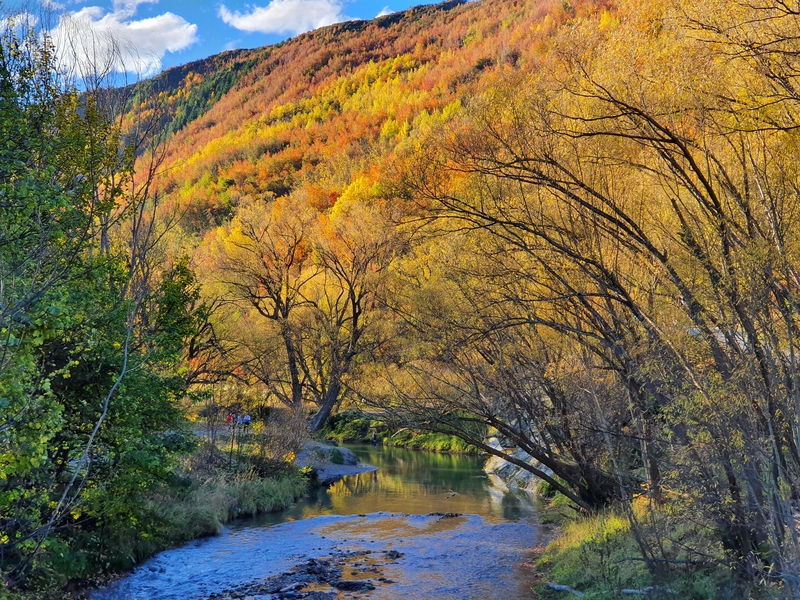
column 423, row 526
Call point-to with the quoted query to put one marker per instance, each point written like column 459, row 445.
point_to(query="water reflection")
column 411, row 482
column 480, row 555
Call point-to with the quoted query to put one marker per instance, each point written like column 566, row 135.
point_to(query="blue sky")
column 156, row 34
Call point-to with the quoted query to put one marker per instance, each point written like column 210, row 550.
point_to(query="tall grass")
column 208, row 505
column 598, row 556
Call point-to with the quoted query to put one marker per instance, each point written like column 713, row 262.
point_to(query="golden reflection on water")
column 380, row 491
column 391, row 529
column 409, row 482
column 421, row 483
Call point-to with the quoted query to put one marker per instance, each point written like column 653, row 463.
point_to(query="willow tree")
column 639, row 194
column 299, row 289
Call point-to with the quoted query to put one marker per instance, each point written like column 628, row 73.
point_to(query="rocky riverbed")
column 321, row 577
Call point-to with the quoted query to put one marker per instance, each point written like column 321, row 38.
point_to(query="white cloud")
column 386, row 11
column 21, row 20
column 285, row 16
column 128, row 7
column 93, row 39
column 52, row 5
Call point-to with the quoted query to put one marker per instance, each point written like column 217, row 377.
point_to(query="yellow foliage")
column 361, row 190
column 607, row 21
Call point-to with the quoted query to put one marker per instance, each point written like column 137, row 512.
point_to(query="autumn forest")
column 569, row 225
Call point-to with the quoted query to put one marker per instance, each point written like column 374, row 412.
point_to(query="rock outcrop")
column 331, row 462
column 510, row 475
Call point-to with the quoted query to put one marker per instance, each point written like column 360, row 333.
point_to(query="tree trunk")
column 328, row 402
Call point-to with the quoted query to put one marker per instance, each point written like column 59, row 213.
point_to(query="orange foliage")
column 349, row 91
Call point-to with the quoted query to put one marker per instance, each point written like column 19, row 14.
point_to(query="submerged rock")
column 444, row 515
column 353, row 586
column 317, row 573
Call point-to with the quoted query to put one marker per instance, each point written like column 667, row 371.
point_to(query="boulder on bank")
column 331, row 462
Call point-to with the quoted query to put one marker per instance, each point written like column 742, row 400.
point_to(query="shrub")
column 337, row 457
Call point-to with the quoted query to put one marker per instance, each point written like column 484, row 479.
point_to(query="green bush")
column 353, row 426
column 432, row 442
column 598, row 556
column 337, row 457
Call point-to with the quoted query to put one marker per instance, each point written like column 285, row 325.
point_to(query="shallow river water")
column 386, row 525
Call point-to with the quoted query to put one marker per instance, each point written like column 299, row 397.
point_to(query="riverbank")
column 208, row 493
column 180, row 514
column 597, row 556
column 356, row 427
column 193, row 503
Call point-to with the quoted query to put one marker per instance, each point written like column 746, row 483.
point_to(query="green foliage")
column 308, row 473
column 204, row 95
column 432, row 442
column 598, row 555
column 354, row 426
column 337, row 457
column 90, row 379
column 544, row 490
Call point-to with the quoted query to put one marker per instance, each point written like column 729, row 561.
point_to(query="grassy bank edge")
column 597, row 555
column 206, row 508
column 182, row 513
column 354, row 427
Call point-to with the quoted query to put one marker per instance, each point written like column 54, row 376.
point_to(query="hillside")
column 262, row 122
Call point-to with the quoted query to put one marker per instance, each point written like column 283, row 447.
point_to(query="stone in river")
column 353, row 586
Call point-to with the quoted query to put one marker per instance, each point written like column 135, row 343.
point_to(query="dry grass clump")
column 278, row 442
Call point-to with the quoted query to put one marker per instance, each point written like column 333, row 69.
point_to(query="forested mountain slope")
column 296, row 170
column 343, row 95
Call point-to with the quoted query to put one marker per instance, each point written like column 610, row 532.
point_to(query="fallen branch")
column 564, row 588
